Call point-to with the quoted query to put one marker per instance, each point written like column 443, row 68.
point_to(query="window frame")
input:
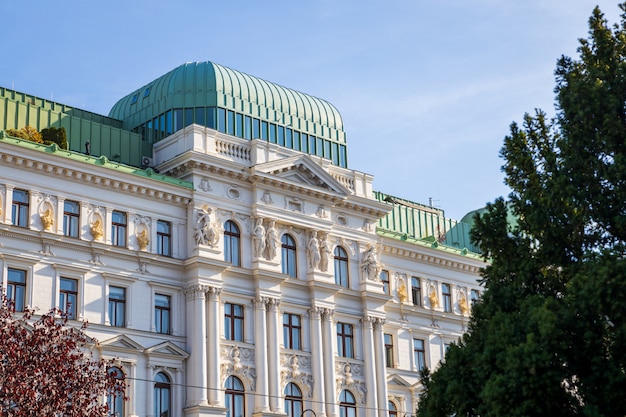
column 71, row 220
column 72, row 313
column 116, row 403
column 341, row 261
column 416, row 291
column 446, row 295
column 232, row 243
column 294, row 405
column 345, row 340
column 234, row 395
column 419, row 354
column 20, row 210
column 231, row 319
column 347, row 405
column 114, row 304
column 288, row 249
column 159, row 388
column 11, row 288
column 292, row 332
column 164, row 239
column 384, row 277
column 474, row 296
column 389, row 354
column 158, row 313
column 119, row 230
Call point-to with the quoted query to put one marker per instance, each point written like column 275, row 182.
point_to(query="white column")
column 196, row 333
column 273, row 357
column 370, row 366
column 332, row 407
column 149, row 384
column 261, row 403
column 317, row 363
column 381, row 370
column 216, row 395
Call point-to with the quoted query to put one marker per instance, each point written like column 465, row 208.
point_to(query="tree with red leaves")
column 47, row 368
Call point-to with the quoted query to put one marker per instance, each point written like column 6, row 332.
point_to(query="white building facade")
column 244, row 278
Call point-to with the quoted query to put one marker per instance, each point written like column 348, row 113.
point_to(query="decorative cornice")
column 431, row 259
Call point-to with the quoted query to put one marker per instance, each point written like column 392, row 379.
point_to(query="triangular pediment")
column 397, row 380
column 167, row 349
column 300, row 170
column 121, row 342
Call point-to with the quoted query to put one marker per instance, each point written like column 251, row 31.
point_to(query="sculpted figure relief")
column 432, row 297
column 47, row 219
column 313, row 251
column 325, row 253
column 258, row 238
column 273, row 241
column 142, row 238
column 205, row 232
column 96, row 228
column 369, row 266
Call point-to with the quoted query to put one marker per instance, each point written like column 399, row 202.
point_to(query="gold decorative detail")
column 96, row 229
column 432, row 297
column 142, row 239
column 463, row 304
column 47, row 219
column 402, row 294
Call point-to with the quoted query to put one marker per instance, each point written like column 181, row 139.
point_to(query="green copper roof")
column 200, row 84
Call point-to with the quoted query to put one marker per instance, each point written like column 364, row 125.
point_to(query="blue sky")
column 427, row 89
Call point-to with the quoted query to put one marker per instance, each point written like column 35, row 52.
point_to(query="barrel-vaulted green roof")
column 203, row 84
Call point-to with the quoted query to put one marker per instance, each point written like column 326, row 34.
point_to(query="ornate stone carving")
column 297, row 368
column 205, row 231
column 272, row 242
column 258, row 238
column 313, row 251
column 96, row 223
column 46, row 212
column 432, row 297
column 350, row 376
column 326, row 252
column 142, row 236
column 237, row 361
column 463, row 306
column 369, row 265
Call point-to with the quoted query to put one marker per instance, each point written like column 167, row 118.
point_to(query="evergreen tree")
column 549, row 335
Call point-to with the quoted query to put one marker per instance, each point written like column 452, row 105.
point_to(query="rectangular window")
column 118, row 228
column 188, row 117
column 311, row 140
column 343, row 157
column 289, row 140
column 419, row 353
column 416, row 291
column 20, row 208
column 319, row 143
column 210, row 118
column 281, row 136
column 16, row 288
column 474, row 296
column 264, row 131
column 233, row 322
column 345, row 340
column 162, row 313
column 71, row 218
column 384, row 277
column 68, row 297
column 230, row 122
column 292, row 331
column 389, row 350
column 447, row 297
column 256, row 129
column 117, row 306
column 247, row 127
column 221, row 120
column 239, row 125
column 164, row 238
column 272, row 133
column 200, row 118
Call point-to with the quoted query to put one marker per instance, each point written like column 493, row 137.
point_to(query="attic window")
column 133, row 100
column 146, row 93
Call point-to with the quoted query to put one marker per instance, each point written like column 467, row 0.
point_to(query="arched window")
column 232, row 239
column 293, row 400
column 393, row 410
column 347, row 404
column 162, row 396
column 115, row 400
column 341, row 267
column 234, row 397
column 288, row 252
